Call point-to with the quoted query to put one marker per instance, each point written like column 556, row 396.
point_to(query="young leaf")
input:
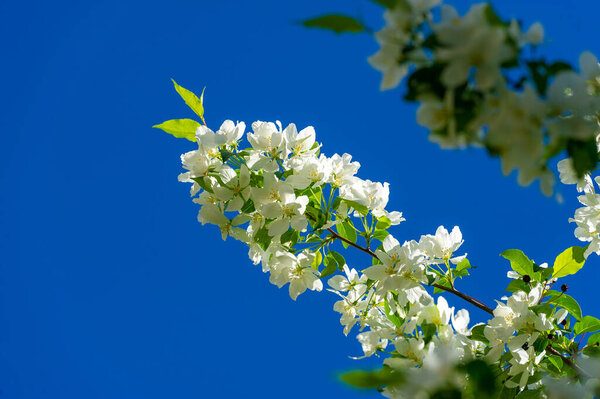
column 587, row 324
column 317, row 261
column 518, row 261
column 380, row 235
column 518, row 285
column 330, row 266
column 566, row 302
column 478, row 335
column 594, row 339
column 335, row 22
column 346, row 230
column 568, row 262
column 181, row 128
column 360, row 208
column 383, row 223
column 556, row 362
column 584, row 155
column 192, row 101
column 338, row 258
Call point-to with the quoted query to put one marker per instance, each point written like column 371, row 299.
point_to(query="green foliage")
column 584, row 155
column 335, row 22
column 333, row 262
column 492, row 17
column 192, row 101
column 180, row 128
column 372, row 379
column 462, row 269
column 387, row 3
column 360, row 208
column 568, row 262
column 263, row 238
column 318, row 260
column 346, row 230
column 587, row 324
column 541, row 72
column 380, row 235
column 519, row 262
column 426, row 80
column 481, row 377
column 478, row 335
column 518, row 285
column 383, row 223
column 291, row 236
column 566, row 302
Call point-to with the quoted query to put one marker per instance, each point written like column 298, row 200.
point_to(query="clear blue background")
column 109, row 288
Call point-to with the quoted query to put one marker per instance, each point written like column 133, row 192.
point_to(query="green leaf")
column 426, row 80
column 387, row 3
column 558, row 66
column 592, row 351
column 566, row 302
column 202, row 183
column 290, row 236
column 192, row 101
column 518, row 285
column 263, row 238
column 429, row 331
column 391, row 316
column 478, row 335
column 383, row 223
column 444, row 283
column 518, row 261
column 594, row 339
column 568, row 262
column 360, row 208
column 330, row 266
column 225, row 154
column 181, row 128
column 380, row 235
column 540, row 344
column 346, row 230
column 464, row 264
column 338, row 258
column 335, row 22
column 544, row 308
column 587, row 324
column 556, row 362
column 584, row 155
column 317, row 261
column 482, row 376
column 248, row 207
column 546, row 273
column 529, row 394
column 336, row 203
column 492, row 17
column 372, row 379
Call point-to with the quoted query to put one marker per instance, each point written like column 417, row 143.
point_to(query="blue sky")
column 109, row 288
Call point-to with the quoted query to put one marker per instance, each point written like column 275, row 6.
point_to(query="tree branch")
column 471, row 300
column 475, row 302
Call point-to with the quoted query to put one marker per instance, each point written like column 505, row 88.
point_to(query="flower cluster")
column 476, row 86
column 294, row 206
column 266, row 195
column 587, row 217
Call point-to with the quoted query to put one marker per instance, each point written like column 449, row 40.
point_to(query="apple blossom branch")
column 475, row 302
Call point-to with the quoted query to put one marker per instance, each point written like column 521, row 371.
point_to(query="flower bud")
column 526, row 278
